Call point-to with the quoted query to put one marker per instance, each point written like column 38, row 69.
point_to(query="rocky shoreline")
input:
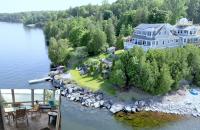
column 98, row 100
column 186, row 105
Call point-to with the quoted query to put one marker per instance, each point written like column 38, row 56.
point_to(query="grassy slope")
column 92, row 83
column 95, row 83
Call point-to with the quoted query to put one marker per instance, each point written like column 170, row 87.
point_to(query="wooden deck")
column 35, row 123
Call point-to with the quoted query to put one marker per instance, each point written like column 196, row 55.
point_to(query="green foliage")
column 164, row 81
column 120, row 42
column 59, row 53
column 97, row 42
column 177, row 9
column 107, row 14
column 158, row 16
column 157, row 71
column 110, row 33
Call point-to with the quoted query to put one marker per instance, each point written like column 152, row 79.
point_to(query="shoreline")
column 178, row 104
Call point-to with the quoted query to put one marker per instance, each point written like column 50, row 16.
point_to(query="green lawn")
column 92, row 83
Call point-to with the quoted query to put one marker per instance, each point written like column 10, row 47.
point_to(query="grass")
column 94, row 83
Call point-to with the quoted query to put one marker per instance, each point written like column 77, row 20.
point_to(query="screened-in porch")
column 30, row 109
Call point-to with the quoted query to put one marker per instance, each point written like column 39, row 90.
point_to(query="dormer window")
column 149, row 34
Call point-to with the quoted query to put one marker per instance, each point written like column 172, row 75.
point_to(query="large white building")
column 164, row 35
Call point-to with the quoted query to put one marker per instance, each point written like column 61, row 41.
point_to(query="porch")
column 47, row 101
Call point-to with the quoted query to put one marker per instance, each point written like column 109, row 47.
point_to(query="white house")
column 163, row 35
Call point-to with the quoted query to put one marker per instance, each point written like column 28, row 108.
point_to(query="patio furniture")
column 20, row 114
column 53, row 115
column 50, row 106
column 44, row 107
column 9, row 112
column 36, row 109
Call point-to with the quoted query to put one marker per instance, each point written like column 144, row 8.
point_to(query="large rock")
column 141, row 104
column 64, row 92
column 97, row 104
column 127, row 108
column 107, row 104
column 133, row 109
column 116, row 108
column 99, row 97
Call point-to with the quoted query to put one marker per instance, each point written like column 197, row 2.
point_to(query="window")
column 176, row 40
column 148, row 43
column 185, row 31
column 153, row 43
column 190, row 32
column 156, row 42
column 163, row 42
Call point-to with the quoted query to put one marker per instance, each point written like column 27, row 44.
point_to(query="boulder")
column 70, row 90
column 107, row 104
column 64, row 92
column 116, row 108
column 99, row 97
column 127, row 108
column 97, row 104
column 72, row 98
column 141, row 104
column 101, row 102
column 133, row 109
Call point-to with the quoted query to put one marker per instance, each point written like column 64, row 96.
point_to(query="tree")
column 110, row 33
column 120, row 42
column 158, row 16
column 59, row 53
column 81, row 53
column 177, row 9
column 164, row 81
column 96, row 41
column 117, row 76
column 193, row 11
column 107, row 14
column 194, row 63
column 126, row 30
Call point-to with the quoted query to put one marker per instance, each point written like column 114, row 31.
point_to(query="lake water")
column 24, row 56
column 77, row 117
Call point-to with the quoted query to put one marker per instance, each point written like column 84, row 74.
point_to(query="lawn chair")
column 36, row 110
column 20, row 115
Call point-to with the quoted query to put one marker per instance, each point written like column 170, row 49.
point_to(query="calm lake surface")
column 24, row 56
column 77, row 117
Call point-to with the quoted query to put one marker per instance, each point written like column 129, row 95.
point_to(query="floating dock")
column 39, row 80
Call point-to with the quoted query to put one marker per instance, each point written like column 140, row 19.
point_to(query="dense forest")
column 87, row 31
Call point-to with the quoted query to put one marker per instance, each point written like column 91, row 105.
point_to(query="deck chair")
column 20, row 115
column 36, row 110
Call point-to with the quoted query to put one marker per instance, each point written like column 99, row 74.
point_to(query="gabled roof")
column 152, row 27
column 155, row 28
